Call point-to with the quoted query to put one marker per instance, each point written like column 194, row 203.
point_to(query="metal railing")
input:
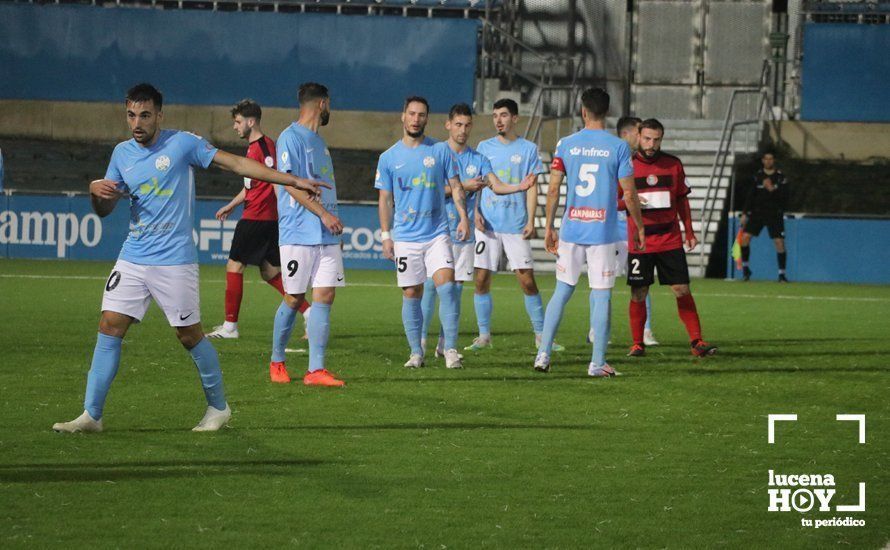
column 718, row 167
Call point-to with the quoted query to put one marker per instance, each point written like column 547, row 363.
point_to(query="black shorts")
column 671, row 264
column 775, row 225
column 255, row 242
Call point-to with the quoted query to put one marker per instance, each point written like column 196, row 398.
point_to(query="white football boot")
column 214, row 419
column 415, row 361
column 649, row 338
column 542, row 362
column 452, row 359
column 222, row 332
column 83, row 423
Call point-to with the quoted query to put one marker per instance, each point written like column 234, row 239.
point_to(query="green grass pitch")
column 673, row 453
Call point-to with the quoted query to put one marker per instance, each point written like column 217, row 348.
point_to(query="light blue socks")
column 553, row 316
column 428, row 306
column 649, row 311
column 207, row 361
column 449, row 312
column 482, row 303
column 535, row 309
column 319, row 331
column 600, row 307
column 281, row 329
column 412, row 319
column 106, row 358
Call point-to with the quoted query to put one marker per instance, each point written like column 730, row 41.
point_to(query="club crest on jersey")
column 651, row 179
column 575, row 151
column 162, row 163
column 269, row 161
column 516, row 159
column 429, row 162
column 471, row 170
column 284, row 156
column 586, row 214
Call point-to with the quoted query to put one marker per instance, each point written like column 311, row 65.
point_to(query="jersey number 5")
column 587, row 174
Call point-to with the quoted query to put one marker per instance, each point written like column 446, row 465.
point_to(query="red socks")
column 637, row 320
column 304, row 306
column 234, row 291
column 276, row 283
column 689, row 316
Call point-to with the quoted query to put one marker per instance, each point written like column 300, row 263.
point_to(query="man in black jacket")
column 765, row 206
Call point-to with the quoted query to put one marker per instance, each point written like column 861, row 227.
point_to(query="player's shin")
column 449, row 312
column 412, row 319
column 553, row 315
column 282, row 328
column 648, row 324
column 483, row 306
column 205, row 358
column 106, row 358
column 319, row 331
column 637, row 316
column 600, row 306
column 534, row 306
column 427, row 307
column 689, row 315
column 276, row 283
column 234, row 292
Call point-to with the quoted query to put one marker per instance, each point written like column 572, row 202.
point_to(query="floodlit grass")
column 672, row 454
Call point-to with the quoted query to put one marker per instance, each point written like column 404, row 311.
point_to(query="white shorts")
column 488, row 251
column 131, row 287
column 463, row 261
column 621, row 258
column 415, row 262
column 600, row 259
column 319, row 266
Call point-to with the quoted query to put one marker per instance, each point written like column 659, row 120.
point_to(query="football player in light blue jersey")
column 308, row 237
column 158, row 261
column 475, row 173
column 412, row 177
column 593, row 161
column 507, row 222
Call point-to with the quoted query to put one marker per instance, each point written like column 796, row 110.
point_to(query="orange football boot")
column 278, row 372
column 322, row 378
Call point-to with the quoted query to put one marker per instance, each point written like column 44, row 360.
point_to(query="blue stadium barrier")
column 84, row 53
column 823, row 250
column 846, row 72
column 65, row 227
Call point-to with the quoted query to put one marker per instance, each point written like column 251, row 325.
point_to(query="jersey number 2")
column 587, row 174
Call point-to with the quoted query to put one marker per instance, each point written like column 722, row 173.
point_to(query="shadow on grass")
column 121, row 471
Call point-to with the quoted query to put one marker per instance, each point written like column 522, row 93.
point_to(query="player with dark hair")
column 412, row 178
column 255, row 241
column 628, row 129
column 158, row 261
column 765, row 206
column 309, row 241
column 661, row 184
column 475, row 173
column 596, row 164
column 506, row 223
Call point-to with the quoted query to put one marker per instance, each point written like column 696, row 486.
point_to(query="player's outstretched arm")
column 224, row 212
column 459, row 197
column 551, row 235
column 250, row 168
column 384, row 212
column 685, row 212
column 632, row 203
column 104, row 195
column 501, row 188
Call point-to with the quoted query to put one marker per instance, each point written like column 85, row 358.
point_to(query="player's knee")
column 190, row 336
column 680, row 290
column 111, row 324
column 323, row 295
column 527, row 282
column 638, row 294
column 294, row 301
column 234, row 267
column 413, row 292
column 483, row 281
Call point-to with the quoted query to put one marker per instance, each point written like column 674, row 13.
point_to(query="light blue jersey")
column 417, row 177
column 471, row 164
column 593, row 161
column 511, row 163
column 304, row 154
column 161, row 183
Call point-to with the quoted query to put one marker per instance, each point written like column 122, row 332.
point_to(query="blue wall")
column 84, row 53
column 58, row 226
column 825, row 250
column 846, row 72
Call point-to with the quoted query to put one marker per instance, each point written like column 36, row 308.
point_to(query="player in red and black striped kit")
column 661, row 185
column 256, row 236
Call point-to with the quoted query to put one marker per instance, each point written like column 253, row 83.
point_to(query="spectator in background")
column 765, row 206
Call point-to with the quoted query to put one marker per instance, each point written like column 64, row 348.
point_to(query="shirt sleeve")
column 290, row 156
column 681, row 186
column 626, row 163
column 558, row 163
column 200, row 151
column 533, row 162
column 383, row 178
column 449, row 163
column 484, row 166
column 113, row 171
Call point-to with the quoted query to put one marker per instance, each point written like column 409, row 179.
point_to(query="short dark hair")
column 652, row 124
column 626, row 122
column 145, row 92
column 766, row 152
column 312, row 90
column 460, row 109
column 596, row 101
column 507, row 103
column 247, row 108
column 416, row 99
